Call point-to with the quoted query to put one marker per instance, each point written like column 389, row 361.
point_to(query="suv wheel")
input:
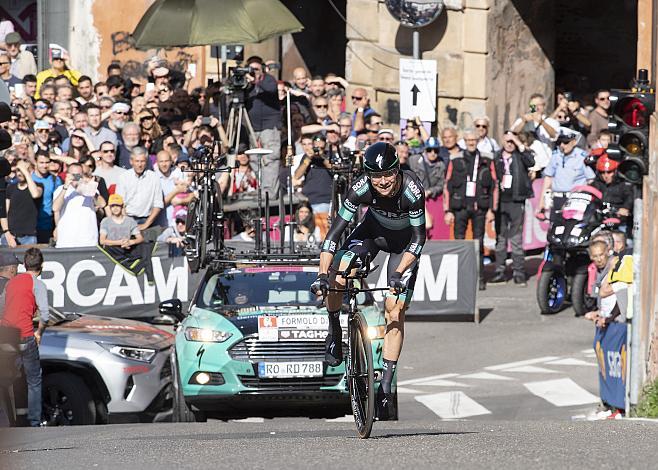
column 67, row 400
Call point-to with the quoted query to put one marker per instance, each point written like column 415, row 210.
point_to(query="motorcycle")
column 563, row 273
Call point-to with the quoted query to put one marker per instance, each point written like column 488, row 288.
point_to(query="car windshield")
column 258, row 286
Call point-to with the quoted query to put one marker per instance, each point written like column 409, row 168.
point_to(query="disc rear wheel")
column 361, row 380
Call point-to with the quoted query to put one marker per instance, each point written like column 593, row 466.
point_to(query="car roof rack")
column 219, row 253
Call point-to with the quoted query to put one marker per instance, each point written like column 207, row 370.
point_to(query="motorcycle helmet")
column 605, row 163
column 381, row 158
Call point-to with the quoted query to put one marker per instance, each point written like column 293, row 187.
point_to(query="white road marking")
column 407, row 390
column 485, row 376
column 443, row 383
column 249, row 420
column 588, row 350
column 425, row 379
column 531, row 370
column 342, row 419
column 452, row 405
column 522, row 363
column 561, row 392
column 572, row 361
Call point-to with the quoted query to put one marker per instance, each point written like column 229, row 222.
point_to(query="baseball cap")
column 56, row 54
column 13, row 38
column 385, row 131
column 183, row 157
column 115, row 199
column 432, row 143
column 8, row 259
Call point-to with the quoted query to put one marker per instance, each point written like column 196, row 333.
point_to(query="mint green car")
column 252, row 344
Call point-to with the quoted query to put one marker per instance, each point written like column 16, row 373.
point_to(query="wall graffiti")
column 127, row 55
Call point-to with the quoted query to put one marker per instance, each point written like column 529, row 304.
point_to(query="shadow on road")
column 449, row 317
column 416, row 434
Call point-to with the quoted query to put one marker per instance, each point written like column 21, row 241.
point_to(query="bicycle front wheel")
column 361, row 379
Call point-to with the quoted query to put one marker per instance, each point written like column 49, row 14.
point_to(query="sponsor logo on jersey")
column 329, row 245
column 354, row 243
column 414, row 189
column 360, row 187
column 350, row 206
column 415, row 248
column 390, row 215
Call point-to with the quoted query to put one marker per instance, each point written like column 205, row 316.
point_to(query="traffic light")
column 629, row 114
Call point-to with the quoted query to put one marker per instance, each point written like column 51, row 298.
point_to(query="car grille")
column 293, row 385
column 253, row 350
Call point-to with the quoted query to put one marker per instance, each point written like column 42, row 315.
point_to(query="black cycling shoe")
column 383, row 405
column 333, row 349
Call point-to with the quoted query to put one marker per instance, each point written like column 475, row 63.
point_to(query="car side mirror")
column 172, row 307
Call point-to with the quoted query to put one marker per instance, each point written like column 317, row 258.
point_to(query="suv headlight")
column 206, row 335
column 129, row 352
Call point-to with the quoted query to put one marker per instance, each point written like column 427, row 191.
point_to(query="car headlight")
column 129, row 352
column 206, row 335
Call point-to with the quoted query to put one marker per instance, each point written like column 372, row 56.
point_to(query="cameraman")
column 262, row 103
column 314, row 168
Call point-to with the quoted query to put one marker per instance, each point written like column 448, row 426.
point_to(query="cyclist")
column 394, row 223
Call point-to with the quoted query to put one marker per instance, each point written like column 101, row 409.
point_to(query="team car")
column 252, row 344
column 98, row 370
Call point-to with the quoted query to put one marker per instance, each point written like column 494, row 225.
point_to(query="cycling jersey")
column 402, row 212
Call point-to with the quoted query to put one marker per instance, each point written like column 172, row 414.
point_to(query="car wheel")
column 181, row 411
column 67, row 400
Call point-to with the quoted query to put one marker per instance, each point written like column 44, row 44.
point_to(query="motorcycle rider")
column 615, row 191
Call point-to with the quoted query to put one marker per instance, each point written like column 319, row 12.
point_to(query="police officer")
column 471, row 193
column 566, row 169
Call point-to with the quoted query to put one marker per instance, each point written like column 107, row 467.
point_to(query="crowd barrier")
column 85, row 280
column 612, row 357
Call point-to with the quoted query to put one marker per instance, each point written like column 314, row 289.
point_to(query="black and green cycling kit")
column 394, row 224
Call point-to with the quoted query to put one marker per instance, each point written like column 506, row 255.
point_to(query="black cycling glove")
column 320, row 285
column 395, row 283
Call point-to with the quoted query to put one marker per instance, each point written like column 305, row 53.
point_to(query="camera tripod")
column 237, row 117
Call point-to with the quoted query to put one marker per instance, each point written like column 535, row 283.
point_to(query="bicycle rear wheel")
column 361, row 379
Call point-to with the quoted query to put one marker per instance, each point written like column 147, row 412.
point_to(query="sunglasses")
column 147, row 118
column 107, row 150
column 357, row 98
column 481, row 126
column 123, row 113
column 321, row 106
column 383, row 174
column 607, row 172
column 432, row 150
column 179, row 221
column 43, row 131
column 40, row 106
column 4, row 63
column 386, row 139
column 116, row 205
column 604, row 98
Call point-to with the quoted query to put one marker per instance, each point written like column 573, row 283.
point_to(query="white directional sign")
column 418, row 89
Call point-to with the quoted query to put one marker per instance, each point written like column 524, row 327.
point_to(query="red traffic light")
column 633, row 112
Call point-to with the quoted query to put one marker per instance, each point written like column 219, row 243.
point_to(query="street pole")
column 42, row 45
column 637, row 359
column 415, row 38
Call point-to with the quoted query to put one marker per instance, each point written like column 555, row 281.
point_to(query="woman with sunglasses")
column 148, row 124
column 80, row 145
column 88, row 168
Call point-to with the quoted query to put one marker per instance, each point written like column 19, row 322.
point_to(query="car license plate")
column 282, row 370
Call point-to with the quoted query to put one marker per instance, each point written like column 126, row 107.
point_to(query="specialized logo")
column 380, row 160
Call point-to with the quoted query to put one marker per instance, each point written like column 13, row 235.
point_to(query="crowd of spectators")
column 77, row 142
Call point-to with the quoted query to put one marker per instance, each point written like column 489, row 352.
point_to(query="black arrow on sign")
column 415, row 92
